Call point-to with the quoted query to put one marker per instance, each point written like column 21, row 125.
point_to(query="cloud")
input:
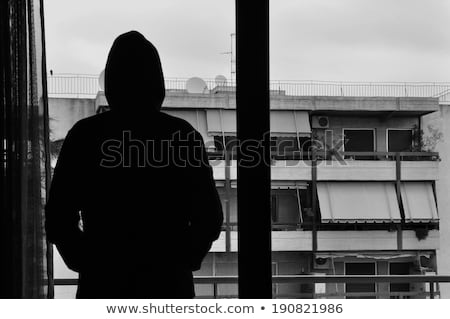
column 403, row 40
column 360, row 39
column 190, row 36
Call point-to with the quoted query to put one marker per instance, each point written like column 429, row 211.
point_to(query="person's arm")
column 63, row 205
column 207, row 216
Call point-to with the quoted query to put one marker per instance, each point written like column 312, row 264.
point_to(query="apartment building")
column 359, row 186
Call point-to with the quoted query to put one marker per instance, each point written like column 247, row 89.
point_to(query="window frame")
column 374, row 131
column 389, row 272
column 374, row 262
column 398, row 129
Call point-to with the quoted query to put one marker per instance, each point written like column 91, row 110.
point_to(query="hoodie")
column 134, row 78
column 145, row 227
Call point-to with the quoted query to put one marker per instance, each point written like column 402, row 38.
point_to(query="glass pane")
column 360, row 269
column 341, row 83
column 198, row 60
column 359, row 140
column 399, row 269
column 400, row 140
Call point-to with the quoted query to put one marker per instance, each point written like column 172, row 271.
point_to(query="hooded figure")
column 133, row 75
column 140, row 183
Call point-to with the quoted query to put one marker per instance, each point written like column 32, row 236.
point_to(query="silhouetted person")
column 142, row 184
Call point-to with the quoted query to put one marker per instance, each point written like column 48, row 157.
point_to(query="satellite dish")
column 221, row 80
column 196, row 85
column 101, row 80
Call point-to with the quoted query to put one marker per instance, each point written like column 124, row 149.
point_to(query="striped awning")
column 282, row 123
column 351, row 202
column 419, row 202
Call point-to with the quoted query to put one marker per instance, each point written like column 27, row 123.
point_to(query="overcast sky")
column 329, row 40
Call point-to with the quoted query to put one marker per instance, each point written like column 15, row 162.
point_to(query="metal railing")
column 337, row 155
column 87, row 85
column 73, row 85
column 215, row 281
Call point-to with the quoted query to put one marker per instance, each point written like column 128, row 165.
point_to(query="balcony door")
column 360, row 290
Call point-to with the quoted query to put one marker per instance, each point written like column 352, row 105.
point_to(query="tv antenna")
column 232, row 54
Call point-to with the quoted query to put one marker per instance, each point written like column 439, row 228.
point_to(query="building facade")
column 359, row 187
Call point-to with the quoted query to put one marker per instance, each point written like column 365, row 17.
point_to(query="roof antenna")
column 232, row 54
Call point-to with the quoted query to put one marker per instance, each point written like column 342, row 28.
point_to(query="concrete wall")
column 341, row 241
column 441, row 120
column 350, row 170
column 65, row 112
column 226, row 100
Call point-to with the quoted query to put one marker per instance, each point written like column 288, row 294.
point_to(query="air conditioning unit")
column 320, row 122
column 322, row 263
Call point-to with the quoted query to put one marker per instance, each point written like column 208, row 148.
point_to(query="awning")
column 343, row 202
column 418, row 201
column 282, row 123
column 197, row 118
column 289, row 123
column 221, row 122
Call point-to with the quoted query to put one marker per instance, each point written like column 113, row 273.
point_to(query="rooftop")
column 87, row 86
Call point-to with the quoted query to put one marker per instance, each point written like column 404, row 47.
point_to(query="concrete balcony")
column 340, row 241
column 348, row 170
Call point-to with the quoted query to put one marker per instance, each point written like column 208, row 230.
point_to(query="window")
column 399, row 269
column 285, row 210
column 359, row 140
column 360, row 269
column 232, row 203
column 226, row 265
column 399, row 140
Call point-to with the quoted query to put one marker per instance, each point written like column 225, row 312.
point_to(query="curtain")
column 25, row 152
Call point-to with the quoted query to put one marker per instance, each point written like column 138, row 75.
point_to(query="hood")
column 134, row 79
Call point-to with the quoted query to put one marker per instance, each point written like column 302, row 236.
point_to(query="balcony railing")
column 86, row 85
column 337, row 155
column 216, row 281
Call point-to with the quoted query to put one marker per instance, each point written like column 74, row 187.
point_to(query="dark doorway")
column 360, row 269
column 399, row 269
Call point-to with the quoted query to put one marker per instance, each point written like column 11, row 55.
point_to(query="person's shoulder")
column 93, row 121
column 178, row 123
